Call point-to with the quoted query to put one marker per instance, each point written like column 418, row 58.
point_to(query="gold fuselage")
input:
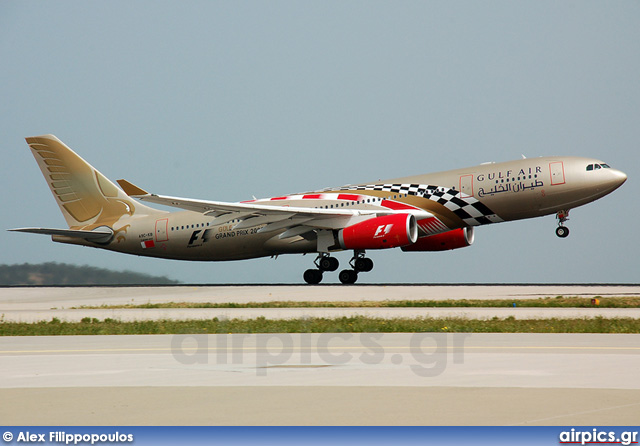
column 506, row 191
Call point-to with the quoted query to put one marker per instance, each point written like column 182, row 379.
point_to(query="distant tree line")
column 53, row 273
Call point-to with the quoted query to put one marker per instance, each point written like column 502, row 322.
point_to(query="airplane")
column 432, row 212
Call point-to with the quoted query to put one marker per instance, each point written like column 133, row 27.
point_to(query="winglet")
column 131, row 189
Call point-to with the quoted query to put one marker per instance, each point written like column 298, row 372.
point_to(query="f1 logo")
column 205, row 236
column 383, row 230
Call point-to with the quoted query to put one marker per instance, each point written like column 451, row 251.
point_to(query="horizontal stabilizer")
column 102, row 235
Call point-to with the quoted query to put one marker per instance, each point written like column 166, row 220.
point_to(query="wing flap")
column 295, row 231
column 252, row 221
column 228, row 216
column 284, row 224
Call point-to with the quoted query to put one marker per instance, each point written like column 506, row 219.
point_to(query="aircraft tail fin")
column 86, row 198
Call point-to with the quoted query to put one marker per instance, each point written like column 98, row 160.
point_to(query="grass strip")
column 357, row 324
column 550, row 302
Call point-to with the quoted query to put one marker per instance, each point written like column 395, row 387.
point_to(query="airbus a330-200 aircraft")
column 432, row 212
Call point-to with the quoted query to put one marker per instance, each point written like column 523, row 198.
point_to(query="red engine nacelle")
column 458, row 238
column 389, row 231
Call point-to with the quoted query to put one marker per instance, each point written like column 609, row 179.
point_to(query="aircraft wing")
column 252, row 214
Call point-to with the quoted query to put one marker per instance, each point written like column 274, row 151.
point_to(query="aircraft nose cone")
column 617, row 179
column 620, row 177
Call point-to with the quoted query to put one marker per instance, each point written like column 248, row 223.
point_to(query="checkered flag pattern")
column 469, row 209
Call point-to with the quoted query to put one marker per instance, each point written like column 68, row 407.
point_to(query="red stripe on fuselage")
column 397, row 206
column 348, row 197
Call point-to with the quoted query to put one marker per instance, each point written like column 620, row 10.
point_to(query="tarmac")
column 315, row 379
column 321, row 379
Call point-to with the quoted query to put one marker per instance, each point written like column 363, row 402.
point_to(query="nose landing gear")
column 562, row 231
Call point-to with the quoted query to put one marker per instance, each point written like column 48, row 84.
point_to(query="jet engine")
column 389, row 231
column 458, row 238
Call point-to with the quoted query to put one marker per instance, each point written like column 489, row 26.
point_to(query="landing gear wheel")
column 348, row 276
column 562, row 231
column 312, row 276
column 328, row 264
column 363, row 264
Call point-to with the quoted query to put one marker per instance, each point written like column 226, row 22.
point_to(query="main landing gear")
column 562, row 231
column 324, row 262
column 360, row 264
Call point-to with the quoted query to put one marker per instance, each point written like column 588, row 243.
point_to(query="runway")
column 130, row 315
column 38, row 304
column 313, row 379
column 37, row 298
column 317, row 379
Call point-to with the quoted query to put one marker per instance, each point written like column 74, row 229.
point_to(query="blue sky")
column 225, row 100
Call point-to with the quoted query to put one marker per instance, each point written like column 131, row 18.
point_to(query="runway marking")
column 215, row 349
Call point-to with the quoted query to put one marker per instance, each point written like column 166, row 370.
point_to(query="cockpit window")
column 591, row 167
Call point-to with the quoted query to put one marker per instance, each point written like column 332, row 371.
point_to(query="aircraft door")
column 466, row 186
column 162, row 226
column 557, row 173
